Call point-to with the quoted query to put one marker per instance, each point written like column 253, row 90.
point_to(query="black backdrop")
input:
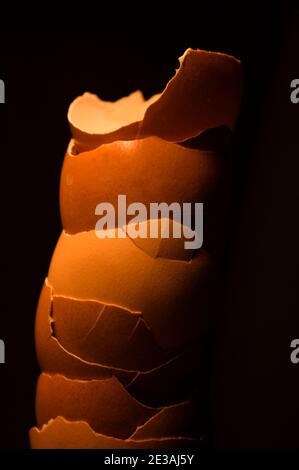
column 45, row 63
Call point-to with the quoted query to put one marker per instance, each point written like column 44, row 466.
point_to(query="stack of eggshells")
column 120, row 320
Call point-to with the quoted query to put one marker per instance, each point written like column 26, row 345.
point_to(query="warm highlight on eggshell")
column 86, row 267
column 122, row 322
column 147, row 170
column 204, row 93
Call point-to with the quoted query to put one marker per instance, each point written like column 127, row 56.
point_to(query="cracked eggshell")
column 172, row 421
column 104, row 404
column 105, row 334
column 166, row 384
column 98, row 284
column 54, row 358
column 148, row 170
column 172, row 382
column 204, row 93
column 62, row 434
column 173, row 296
column 162, row 246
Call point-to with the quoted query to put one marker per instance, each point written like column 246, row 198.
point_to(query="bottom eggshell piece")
column 62, row 434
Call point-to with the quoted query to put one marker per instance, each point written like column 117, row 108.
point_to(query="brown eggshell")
column 105, row 334
column 62, row 434
column 104, row 404
column 162, row 246
column 172, row 382
column 148, row 170
column 94, row 122
column 164, row 385
column 174, row 297
column 53, row 358
column 172, row 421
column 204, row 93
column 120, row 320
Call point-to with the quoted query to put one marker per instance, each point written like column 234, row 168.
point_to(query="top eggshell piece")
column 204, row 93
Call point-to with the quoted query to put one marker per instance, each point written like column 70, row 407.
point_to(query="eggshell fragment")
column 204, row 93
column 173, row 296
column 166, row 384
column 148, row 170
column 104, row 404
column 172, row 382
column 53, row 358
column 105, row 334
column 172, row 421
column 62, row 434
column 166, row 245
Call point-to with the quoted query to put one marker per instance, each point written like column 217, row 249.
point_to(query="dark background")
column 45, row 63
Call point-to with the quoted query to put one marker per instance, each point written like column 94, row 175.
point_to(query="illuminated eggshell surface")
column 121, row 320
